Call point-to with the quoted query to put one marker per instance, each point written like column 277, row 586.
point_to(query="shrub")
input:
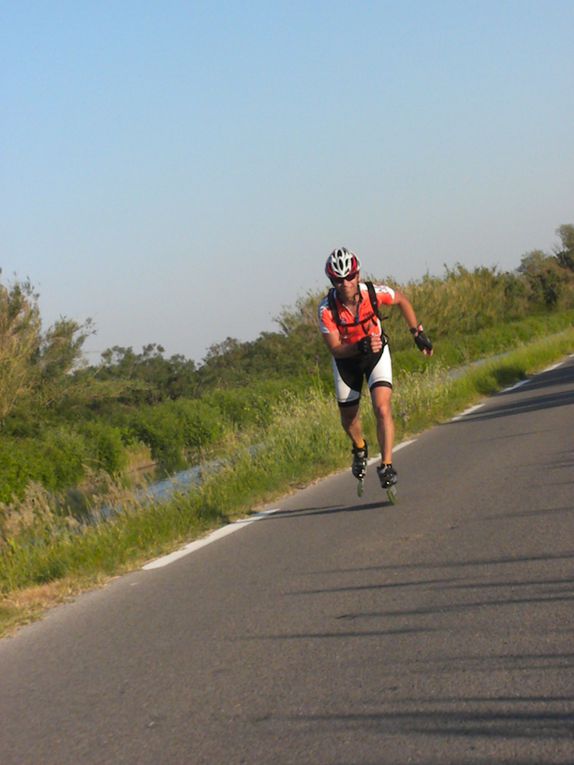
column 56, row 460
column 105, row 446
column 200, row 423
column 161, row 430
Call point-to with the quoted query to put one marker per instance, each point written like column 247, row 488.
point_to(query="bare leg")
column 351, row 422
column 381, row 399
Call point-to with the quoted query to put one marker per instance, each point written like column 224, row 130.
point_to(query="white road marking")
column 231, row 528
column 403, row 444
column 470, row 410
column 515, row 386
column 523, row 382
column 396, row 448
column 553, row 367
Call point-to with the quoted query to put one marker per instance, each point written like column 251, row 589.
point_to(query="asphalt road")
column 338, row 631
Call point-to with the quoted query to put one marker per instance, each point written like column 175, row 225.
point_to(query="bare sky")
column 179, row 171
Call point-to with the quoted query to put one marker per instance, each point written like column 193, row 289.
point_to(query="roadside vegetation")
column 75, row 438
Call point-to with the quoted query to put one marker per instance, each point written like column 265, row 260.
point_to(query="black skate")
column 388, row 478
column 359, row 466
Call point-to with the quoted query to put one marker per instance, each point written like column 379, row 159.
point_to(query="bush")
column 56, row 460
column 200, row 423
column 105, row 446
column 64, row 457
column 249, row 406
column 161, row 430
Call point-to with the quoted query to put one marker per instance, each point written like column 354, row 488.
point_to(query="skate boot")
column 360, row 457
column 359, row 466
column 388, row 478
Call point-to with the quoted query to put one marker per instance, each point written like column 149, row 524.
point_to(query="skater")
column 350, row 322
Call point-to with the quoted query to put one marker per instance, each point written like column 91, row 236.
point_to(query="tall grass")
column 303, row 441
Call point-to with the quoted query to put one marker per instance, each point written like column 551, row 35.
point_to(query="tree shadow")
column 521, row 406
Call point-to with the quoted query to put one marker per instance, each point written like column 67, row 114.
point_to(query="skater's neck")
column 350, row 301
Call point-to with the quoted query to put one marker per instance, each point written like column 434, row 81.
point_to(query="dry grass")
column 25, row 606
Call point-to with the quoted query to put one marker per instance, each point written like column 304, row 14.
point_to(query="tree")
column 59, row 353
column 544, row 277
column 565, row 253
column 160, row 378
column 19, row 341
column 35, row 367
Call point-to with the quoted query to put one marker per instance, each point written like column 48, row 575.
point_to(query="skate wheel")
column 360, row 487
column 392, row 495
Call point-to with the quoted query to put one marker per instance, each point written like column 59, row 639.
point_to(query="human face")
column 347, row 287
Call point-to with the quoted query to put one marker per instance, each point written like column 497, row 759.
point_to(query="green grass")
column 304, row 441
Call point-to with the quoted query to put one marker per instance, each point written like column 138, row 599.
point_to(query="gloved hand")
column 421, row 340
column 371, row 344
column 364, row 346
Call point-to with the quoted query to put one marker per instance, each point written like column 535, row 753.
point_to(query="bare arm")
column 338, row 349
column 407, row 310
column 421, row 340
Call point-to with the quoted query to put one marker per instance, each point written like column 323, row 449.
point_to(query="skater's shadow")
column 327, row 510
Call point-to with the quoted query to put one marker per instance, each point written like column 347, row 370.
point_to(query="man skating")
column 351, row 326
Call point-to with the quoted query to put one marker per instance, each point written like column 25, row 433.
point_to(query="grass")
column 304, row 441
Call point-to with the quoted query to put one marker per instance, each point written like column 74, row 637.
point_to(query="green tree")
column 565, row 253
column 19, row 341
column 160, row 378
column 59, row 353
column 544, row 276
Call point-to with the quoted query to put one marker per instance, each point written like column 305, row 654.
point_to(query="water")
column 162, row 490
column 185, row 479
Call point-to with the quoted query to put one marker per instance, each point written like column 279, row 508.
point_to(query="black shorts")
column 349, row 374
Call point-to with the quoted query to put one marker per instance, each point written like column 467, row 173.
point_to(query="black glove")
column 364, row 346
column 421, row 340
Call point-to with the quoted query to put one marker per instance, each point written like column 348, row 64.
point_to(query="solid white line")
column 231, row 528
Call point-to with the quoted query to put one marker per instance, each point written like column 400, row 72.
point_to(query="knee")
column 349, row 416
column 383, row 410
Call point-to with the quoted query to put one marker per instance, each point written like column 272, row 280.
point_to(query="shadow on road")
column 528, row 404
column 326, row 510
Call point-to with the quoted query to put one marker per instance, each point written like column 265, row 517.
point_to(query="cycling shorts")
column 376, row 369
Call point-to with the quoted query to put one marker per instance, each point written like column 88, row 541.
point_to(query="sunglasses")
column 348, row 278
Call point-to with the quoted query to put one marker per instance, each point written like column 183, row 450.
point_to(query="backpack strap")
column 373, row 299
column 375, row 306
column 333, row 306
column 332, row 303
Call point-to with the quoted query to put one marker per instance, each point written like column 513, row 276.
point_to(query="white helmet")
column 342, row 263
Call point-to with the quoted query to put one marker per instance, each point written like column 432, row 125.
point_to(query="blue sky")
column 179, row 171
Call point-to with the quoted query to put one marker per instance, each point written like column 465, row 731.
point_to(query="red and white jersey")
column 355, row 327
